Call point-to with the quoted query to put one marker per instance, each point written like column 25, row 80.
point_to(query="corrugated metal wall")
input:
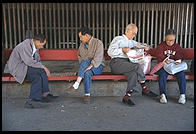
column 61, row 21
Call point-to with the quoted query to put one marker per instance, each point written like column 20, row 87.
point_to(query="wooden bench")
column 71, row 55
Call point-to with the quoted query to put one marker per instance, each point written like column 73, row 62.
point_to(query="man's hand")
column 88, row 68
column 47, row 71
column 126, row 49
column 167, row 61
column 147, row 47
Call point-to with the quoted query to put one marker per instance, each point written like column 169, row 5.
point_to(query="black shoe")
column 45, row 99
column 150, row 94
column 51, row 96
column 128, row 102
column 28, row 104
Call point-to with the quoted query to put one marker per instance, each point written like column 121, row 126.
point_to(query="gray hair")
column 130, row 26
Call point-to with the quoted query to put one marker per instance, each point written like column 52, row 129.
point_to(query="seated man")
column 91, row 59
column 120, row 63
column 24, row 62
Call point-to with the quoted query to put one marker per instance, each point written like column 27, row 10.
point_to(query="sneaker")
column 163, row 99
column 86, row 99
column 182, row 99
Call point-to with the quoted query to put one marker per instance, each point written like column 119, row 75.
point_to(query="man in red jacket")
column 172, row 49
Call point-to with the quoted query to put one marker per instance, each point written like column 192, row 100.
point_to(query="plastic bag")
column 136, row 55
column 139, row 56
column 146, row 64
column 172, row 68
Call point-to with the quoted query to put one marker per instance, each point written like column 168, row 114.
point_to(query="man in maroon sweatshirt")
column 170, row 48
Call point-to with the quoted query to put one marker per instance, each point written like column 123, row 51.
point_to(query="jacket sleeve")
column 27, row 58
column 99, row 53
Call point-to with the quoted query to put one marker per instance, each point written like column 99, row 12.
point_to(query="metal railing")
column 61, row 21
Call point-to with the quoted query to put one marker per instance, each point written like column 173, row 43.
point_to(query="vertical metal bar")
column 139, row 21
column 27, row 10
column 59, row 25
column 80, row 15
column 169, row 19
column 148, row 23
column 46, row 20
column 19, row 29
column 131, row 12
column 84, row 11
column 63, row 25
column 36, row 18
column 23, row 22
column 10, row 28
column 67, row 23
column 106, row 26
column 160, row 23
column 41, row 21
column 110, row 22
column 101, row 28
column 186, row 25
column 32, row 18
column 177, row 29
column 127, row 16
column 71, row 10
column 88, row 14
column 14, row 20
column 190, row 27
column 118, row 18
column 122, row 13
column 174, row 15
column 114, row 20
column 5, row 25
column 182, row 25
column 50, row 26
column 165, row 20
column 156, row 27
column 144, row 22
column 54, row 24
column 93, row 18
column 97, row 16
column 152, row 26
column 76, row 26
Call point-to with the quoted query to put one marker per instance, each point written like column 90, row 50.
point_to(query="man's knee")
column 88, row 73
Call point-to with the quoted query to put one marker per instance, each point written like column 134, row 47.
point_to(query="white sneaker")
column 163, row 99
column 182, row 99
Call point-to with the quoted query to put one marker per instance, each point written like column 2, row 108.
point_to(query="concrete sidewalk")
column 103, row 114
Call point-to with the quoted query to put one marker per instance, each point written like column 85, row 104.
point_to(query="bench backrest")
column 71, row 54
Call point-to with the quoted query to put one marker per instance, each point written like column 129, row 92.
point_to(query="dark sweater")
column 163, row 50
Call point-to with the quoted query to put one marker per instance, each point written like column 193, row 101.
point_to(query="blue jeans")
column 163, row 79
column 39, row 80
column 88, row 74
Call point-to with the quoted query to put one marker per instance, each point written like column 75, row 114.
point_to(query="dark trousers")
column 163, row 80
column 39, row 80
column 133, row 71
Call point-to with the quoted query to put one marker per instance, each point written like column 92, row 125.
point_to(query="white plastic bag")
column 139, row 56
column 172, row 68
column 136, row 55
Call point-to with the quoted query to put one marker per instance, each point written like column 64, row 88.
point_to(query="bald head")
column 131, row 27
column 131, row 31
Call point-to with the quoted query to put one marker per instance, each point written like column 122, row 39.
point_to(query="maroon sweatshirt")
column 163, row 50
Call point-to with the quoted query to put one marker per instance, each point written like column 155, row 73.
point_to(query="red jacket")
column 163, row 50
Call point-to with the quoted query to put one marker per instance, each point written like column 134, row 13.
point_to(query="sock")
column 88, row 94
column 76, row 85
